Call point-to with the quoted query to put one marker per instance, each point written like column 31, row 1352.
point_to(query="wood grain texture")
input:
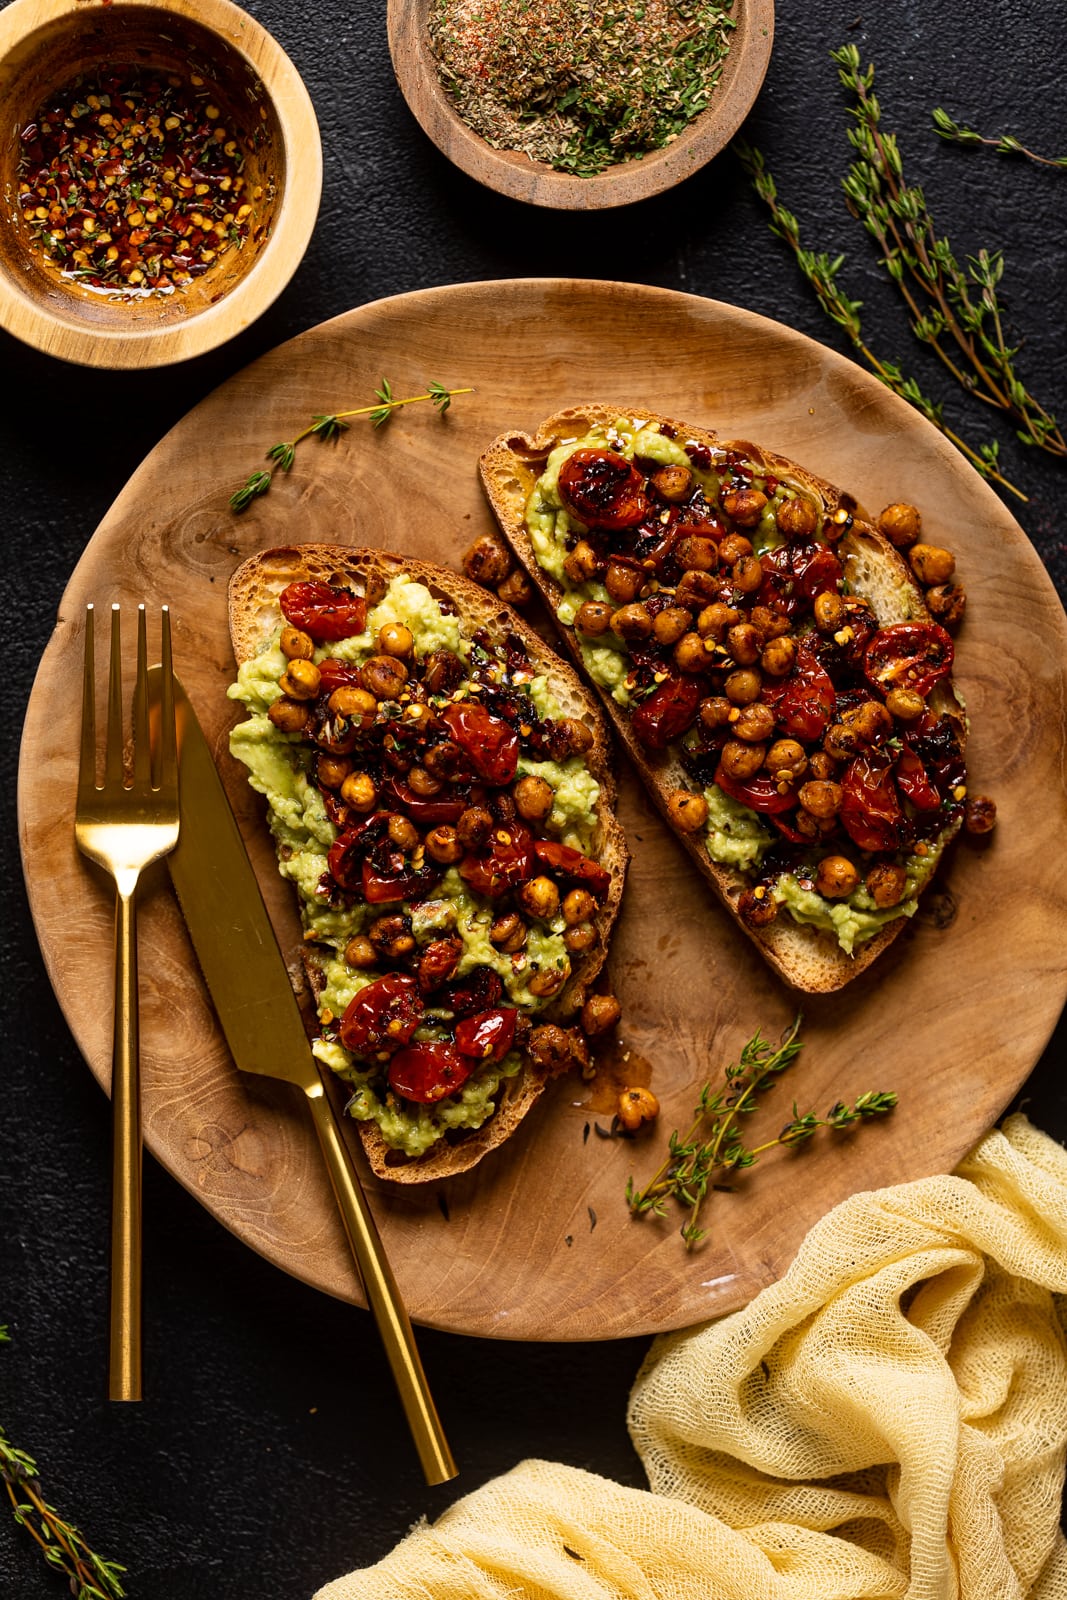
column 44, row 45
column 513, row 174
column 538, row 1243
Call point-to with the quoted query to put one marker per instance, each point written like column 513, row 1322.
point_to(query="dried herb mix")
column 574, row 84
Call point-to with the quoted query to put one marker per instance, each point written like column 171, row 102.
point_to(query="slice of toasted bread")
column 254, row 620
column 806, row 958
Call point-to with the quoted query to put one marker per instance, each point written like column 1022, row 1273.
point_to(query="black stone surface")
column 269, row 1456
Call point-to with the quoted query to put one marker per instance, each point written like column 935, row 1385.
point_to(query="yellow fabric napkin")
column 889, row 1420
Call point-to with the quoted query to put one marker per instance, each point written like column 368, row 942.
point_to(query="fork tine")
column 87, row 753
column 168, row 744
column 142, row 749
column 113, row 753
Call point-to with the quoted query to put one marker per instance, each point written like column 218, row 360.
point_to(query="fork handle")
column 124, row 1365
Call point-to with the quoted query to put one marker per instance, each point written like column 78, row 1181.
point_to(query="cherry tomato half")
column 428, row 1072
column 760, row 793
column 336, row 674
column 870, row 810
column 603, row 489
column 908, row 655
column 570, row 863
column 395, row 879
column 914, row 782
column 344, row 862
column 507, row 860
column 795, row 573
column 487, row 1037
column 490, row 744
column 804, row 702
column 444, row 807
column 322, row 610
column 667, row 713
column 478, row 991
column 386, row 1012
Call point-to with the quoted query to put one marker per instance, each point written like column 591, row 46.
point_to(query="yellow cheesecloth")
column 888, row 1420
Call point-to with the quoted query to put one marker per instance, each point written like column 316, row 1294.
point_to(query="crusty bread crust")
column 807, row 958
column 254, row 614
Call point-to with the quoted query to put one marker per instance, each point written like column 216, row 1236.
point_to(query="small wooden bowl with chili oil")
column 537, row 180
column 160, row 171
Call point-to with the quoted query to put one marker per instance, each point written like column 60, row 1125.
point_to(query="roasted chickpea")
column 384, row 677
column 636, row 1107
column 623, row 583
column 836, row 877
column 402, row 832
column 687, row 811
column 757, row 908
column 600, row 1012
column 743, row 686
column 715, row 621
column 395, row 640
column 734, row 548
column 744, row 506
column 796, row 519
column 583, row 936
column 391, row 936
column 359, row 952
column 443, row 845
column 539, row 898
column 289, row 716
column 821, row 765
column 905, row 704
column 869, row 721
column 695, row 553
column 474, row 826
column 821, row 799
column 778, row 655
column 632, row 622
column 754, row 723
column 359, row 792
column 516, row 589
column 578, row 906
column 508, row 933
column 714, row 712
column 947, row 602
column 550, row 1046
column 812, row 827
column 771, row 624
column 487, row 562
column 582, row 563
column 296, row 645
column 442, row 672
column 931, row 564
column 669, row 624
column 786, row 760
column 444, row 760
column 690, row 654
column 980, row 814
column 742, row 761
column 593, row 618
column 547, row 982
column 672, row 483
column 744, row 644
column 830, row 611
column 569, row 737
column 331, row 771
column 886, row 883
column 901, row 524
column 696, row 590
column 423, row 783
column 534, row 798
column 438, row 962
column 300, row 680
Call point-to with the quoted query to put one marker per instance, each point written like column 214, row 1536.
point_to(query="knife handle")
column 383, row 1296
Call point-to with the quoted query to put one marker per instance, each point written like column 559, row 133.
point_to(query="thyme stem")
column 1004, row 144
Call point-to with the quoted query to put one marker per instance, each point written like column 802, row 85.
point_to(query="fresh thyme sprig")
column 1004, row 143
column 64, row 1548
column 330, row 425
column 821, row 272
column 714, row 1147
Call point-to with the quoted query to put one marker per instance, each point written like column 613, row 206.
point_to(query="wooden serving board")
column 537, row 1243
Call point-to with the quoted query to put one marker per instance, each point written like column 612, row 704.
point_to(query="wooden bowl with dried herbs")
column 160, row 173
column 578, row 105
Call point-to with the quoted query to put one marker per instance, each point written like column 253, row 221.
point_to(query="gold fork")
column 123, row 827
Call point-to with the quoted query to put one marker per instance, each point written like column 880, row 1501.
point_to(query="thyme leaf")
column 1004, row 144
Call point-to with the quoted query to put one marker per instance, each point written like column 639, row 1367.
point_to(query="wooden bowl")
column 44, row 45
column 513, row 174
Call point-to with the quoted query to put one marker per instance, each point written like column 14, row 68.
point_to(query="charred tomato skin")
column 604, row 489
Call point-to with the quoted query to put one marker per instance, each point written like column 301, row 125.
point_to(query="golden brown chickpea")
column 813, row 827
column 444, row 760
column 423, row 783
column 869, row 721
column 508, row 933
column 836, row 877
column 696, row 590
column 796, row 519
column 355, row 704
column 402, row 832
column 757, row 908
column 539, row 898
column 744, row 644
column 714, row 712
column 901, row 524
column 687, row 811
column 442, row 672
column 384, row 677
column 821, row 799
column 744, row 506
column 593, row 618
column 300, row 680
column 547, row 982
column 821, row 765
column 516, row 589
column 391, row 937
column 695, row 553
column 905, row 704
column 631, row 622
column 689, row 654
column 331, row 771
column 550, row 1047
column 636, row 1107
column 931, row 564
column 534, row 798
column 623, row 583
column 395, row 640
column 583, row 936
column 578, row 906
column 571, row 738
column 582, row 563
column 474, row 827
column 980, row 814
column 886, row 883
column 743, row 686
column 672, row 483
column 359, row 792
column 289, row 716
column 754, row 724
column 947, row 602
column 830, row 611
column 778, row 655
column 359, row 952
column 486, row 562
column 786, row 760
column 742, row 761
column 443, row 845
column 734, row 548
column 715, row 620
column 669, row 624
column 600, row 1012
column 296, row 645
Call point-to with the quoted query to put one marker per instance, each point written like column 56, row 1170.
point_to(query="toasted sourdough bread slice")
column 806, row 958
column 254, row 619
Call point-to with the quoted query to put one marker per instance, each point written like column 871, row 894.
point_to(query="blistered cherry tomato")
column 571, row 863
column 604, row 489
column 913, row 781
column 428, row 1072
column 344, row 862
column 395, row 879
column 506, row 860
column 667, row 713
column 490, row 744
column 430, row 811
column 795, row 573
column 804, row 702
column 760, row 793
column 322, row 610
column 479, row 991
column 870, row 810
column 386, row 1012
column 487, row 1037
column 908, row 655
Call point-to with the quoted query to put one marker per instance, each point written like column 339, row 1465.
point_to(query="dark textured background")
column 269, row 1456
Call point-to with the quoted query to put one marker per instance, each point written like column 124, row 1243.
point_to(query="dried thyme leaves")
column 575, row 85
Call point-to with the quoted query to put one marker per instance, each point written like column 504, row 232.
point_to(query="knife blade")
column 249, row 985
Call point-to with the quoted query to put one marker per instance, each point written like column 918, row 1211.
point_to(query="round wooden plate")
column 537, row 1242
